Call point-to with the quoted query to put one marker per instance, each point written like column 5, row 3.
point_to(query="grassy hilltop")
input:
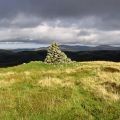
column 77, row 91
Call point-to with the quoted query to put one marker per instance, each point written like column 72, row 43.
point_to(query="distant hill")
column 88, row 48
column 16, row 57
column 75, row 52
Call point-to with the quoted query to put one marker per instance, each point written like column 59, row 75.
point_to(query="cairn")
column 55, row 55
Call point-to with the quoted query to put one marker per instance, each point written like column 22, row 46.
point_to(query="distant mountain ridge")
column 36, row 45
column 88, row 48
column 77, row 48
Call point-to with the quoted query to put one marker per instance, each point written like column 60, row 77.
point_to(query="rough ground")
column 77, row 91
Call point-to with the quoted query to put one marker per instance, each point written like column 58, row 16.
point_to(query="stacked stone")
column 55, row 55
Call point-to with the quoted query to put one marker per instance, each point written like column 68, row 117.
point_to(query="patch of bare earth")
column 111, row 69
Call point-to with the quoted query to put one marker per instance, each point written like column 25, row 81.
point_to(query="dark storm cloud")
column 60, row 8
column 82, row 21
column 107, row 10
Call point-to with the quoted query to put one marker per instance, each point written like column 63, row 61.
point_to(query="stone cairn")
column 55, row 55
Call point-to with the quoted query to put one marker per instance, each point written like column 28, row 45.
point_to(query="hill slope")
column 78, row 91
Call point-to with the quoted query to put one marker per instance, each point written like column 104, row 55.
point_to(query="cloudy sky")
column 64, row 21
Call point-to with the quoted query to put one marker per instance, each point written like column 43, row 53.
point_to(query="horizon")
column 36, row 45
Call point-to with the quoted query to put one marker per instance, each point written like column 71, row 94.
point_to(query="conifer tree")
column 55, row 55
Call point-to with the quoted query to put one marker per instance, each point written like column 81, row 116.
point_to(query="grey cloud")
column 88, row 19
column 83, row 33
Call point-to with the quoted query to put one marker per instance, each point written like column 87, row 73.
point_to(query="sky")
column 90, row 22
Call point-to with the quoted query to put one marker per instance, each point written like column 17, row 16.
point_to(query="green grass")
column 76, row 91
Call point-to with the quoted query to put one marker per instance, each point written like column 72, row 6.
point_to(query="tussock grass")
column 76, row 91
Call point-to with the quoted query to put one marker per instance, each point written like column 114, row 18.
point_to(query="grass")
column 77, row 91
